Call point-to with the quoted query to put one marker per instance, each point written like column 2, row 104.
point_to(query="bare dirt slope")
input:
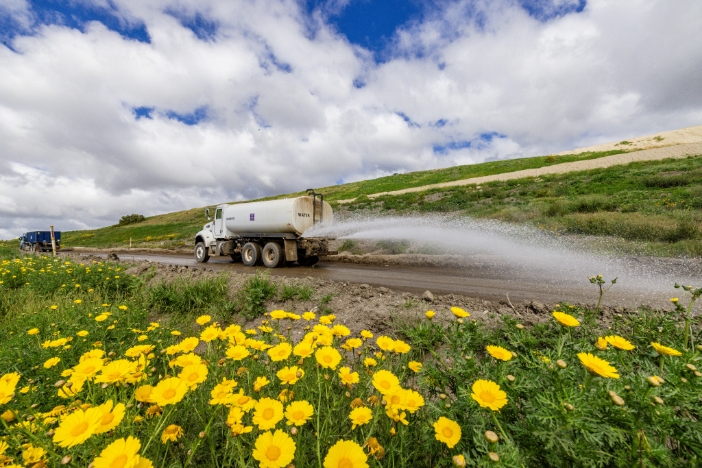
column 682, row 136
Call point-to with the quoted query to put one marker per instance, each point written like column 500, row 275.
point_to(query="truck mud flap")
column 290, row 250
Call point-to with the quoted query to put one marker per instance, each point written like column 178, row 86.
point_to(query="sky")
column 113, row 107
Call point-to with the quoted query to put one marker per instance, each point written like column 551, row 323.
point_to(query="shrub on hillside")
column 131, row 219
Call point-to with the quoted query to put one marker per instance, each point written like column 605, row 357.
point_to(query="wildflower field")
column 90, row 376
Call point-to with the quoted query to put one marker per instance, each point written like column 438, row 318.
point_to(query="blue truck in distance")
column 39, row 241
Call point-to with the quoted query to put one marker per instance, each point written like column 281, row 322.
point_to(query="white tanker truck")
column 268, row 231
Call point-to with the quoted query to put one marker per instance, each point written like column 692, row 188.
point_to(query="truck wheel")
column 307, row 261
column 201, row 254
column 251, row 253
column 272, row 255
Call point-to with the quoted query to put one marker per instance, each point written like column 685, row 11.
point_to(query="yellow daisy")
column 360, row 416
column 77, row 427
column 121, row 452
column 598, row 366
column 499, row 352
column 345, row 454
column 267, row 413
column 169, row 391
column 111, row 417
column 298, row 413
column 565, row 319
column 274, row 450
column 488, row 394
column 328, row 357
column 290, row 375
column 384, row 381
column 173, row 432
column 459, row 313
column 447, row 431
column 619, row 342
column 193, row 375
column 666, row 351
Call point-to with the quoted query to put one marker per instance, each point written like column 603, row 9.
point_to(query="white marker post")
column 53, row 240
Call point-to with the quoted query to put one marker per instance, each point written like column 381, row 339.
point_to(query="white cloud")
column 284, row 114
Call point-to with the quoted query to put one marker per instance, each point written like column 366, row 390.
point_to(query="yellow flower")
column 33, row 331
column 459, row 313
column 366, row 335
column 280, row 352
column 370, row 362
column 267, row 413
column 237, row 353
column 327, row 319
column 143, row 394
column 243, row 401
column 401, row 347
column 298, row 413
column 619, row 342
column 203, row 319
column 385, row 381
column 345, row 454
column 169, row 391
column 78, row 301
column 278, row 314
column 290, row 375
column 110, row 418
column 412, row 401
column 274, row 450
column 260, row 382
column 173, row 432
column 51, row 362
column 303, row 349
column 429, row 314
column 210, row 333
column 385, row 343
column 308, row 316
column 193, row 375
column 415, row 366
column 120, row 453
column 447, row 431
column 139, row 350
column 664, row 350
column 360, row 416
column 116, row 371
column 122, row 307
column 82, row 333
column 488, row 394
column 87, row 368
column 340, row 330
column 565, row 319
column 77, row 427
column 598, row 366
column 101, row 318
column 352, row 343
column 601, row 343
column 328, row 357
column 347, row 377
column 674, row 300
column 32, row 455
column 188, row 344
column 499, row 353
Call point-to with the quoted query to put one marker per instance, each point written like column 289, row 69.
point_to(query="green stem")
column 588, row 379
column 197, row 443
column 497, row 423
column 661, row 365
column 319, row 411
column 158, row 430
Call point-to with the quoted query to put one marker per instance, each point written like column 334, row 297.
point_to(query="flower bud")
column 447, row 405
column 201, row 434
column 459, row 461
column 221, row 362
column 393, row 431
column 491, row 437
column 658, row 400
column 494, row 457
column 66, row 460
column 569, row 407
column 293, row 431
column 510, row 377
column 460, row 321
column 655, row 381
column 561, row 363
column 326, row 377
column 683, row 379
column 691, row 367
column 442, row 396
column 698, row 373
column 616, row 399
column 60, row 383
column 520, row 326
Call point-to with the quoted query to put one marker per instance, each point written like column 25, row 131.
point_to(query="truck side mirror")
column 207, row 212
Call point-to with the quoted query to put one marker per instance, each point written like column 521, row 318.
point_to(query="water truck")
column 39, row 241
column 268, row 232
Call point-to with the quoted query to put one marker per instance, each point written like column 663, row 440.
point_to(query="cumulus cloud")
column 234, row 100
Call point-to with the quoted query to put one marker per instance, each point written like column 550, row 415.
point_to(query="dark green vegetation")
column 131, row 219
column 562, row 416
column 657, row 205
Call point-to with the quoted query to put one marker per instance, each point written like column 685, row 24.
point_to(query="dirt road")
column 479, row 279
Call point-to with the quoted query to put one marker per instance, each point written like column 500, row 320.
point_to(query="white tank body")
column 290, row 215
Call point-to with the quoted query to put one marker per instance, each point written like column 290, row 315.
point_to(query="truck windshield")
column 218, row 214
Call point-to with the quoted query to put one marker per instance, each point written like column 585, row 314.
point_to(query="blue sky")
column 110, row 107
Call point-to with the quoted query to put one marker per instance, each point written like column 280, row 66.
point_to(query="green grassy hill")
column 653, row 206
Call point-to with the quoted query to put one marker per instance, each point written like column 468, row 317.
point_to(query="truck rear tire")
column 201, row 254
column 307, row 261
column 251, row 254
column 272, row 255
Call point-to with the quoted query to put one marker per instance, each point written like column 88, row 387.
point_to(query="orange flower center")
column 268, row 414
column 345, row 463
column 79, row 428
column 273, row 453
column 327, row 359
column 107, row 418
column 168, row 394
column 385, row 384
column 192, row 377
column 298, row 414
column 447, row 432
column 89, row 370
column 487, row 397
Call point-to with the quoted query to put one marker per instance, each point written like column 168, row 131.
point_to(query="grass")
column 418, row 387
column 251, row 298
column 657, row 205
